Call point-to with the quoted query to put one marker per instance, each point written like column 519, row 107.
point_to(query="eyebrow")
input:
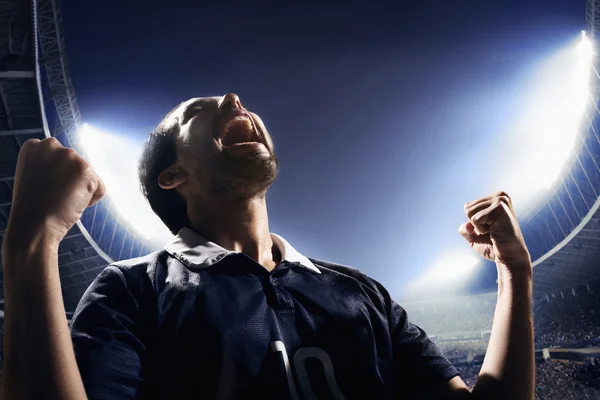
column 203, row 104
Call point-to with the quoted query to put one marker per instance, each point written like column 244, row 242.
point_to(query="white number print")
column 300, row 358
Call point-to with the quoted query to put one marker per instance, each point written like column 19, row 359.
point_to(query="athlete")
column 228, row 310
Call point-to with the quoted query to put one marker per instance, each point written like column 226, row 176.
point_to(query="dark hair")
column 159, row 154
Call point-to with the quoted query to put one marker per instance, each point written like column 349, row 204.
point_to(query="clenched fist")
column 493, row 232
column 53, row 186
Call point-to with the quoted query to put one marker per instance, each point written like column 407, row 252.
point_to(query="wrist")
column 515, row 277
column 519, row 270
column 27, row 241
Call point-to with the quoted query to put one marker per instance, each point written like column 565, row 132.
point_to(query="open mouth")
column 238, row 129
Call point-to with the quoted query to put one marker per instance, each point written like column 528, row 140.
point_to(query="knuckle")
column 29, row 143
column 92, row 185
column 82, row 165
column 504, row 199
column 51, row 141
column 101, row 189
column 502, row 193
column 70, row 152
column 79, row 165
column 100, row 181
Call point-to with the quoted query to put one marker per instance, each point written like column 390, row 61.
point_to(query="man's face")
column 225, row 148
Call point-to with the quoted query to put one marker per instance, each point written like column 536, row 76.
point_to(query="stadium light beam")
column 568, row 123
column 449, row 274
column 585, row 48
column 542, row 140
column 539, row 144
column 114, row 159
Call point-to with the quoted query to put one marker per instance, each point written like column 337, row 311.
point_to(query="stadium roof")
column 21, row 118
column 576, row 260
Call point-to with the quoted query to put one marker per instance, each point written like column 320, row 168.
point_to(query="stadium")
column 562, row 232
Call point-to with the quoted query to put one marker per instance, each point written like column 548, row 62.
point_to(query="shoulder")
column 347, row 272
column 125, row 284
column 145, row 266
column 137, row 274
column 138, row 264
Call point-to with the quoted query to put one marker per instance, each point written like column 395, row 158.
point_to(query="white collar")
column 195, row 251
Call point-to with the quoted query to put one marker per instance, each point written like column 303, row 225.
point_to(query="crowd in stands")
column 560, row 380
column 458, row 315
column 555, row 380
column 591, row 368
column 569, row 318
column 463, row 347
column 469, row 373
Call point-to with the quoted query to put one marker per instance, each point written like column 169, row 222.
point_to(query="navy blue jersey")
column 194, row 324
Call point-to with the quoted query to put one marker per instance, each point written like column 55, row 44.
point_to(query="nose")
column 230, row 101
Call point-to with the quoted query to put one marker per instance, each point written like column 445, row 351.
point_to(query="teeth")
column 236, row 120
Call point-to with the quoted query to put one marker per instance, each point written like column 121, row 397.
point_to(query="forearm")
column 39, row 361
column 508, row 370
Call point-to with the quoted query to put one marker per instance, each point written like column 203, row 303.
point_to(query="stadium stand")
column 554, row 381
column 568, row 318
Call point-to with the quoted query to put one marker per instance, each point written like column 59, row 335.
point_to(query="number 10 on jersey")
column 299, row 366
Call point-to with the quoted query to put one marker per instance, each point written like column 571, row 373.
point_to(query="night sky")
column 384, row 115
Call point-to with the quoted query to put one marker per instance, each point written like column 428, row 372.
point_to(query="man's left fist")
column 493, row 231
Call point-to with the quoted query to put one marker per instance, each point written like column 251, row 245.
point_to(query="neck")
column 237, row 225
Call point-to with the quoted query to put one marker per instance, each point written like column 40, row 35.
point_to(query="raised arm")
column 508, row 370
column 53, row 186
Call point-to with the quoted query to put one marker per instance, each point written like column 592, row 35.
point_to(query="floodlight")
column 536, row 148
column 114, row 158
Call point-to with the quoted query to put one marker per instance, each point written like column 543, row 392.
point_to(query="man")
column 229, row 310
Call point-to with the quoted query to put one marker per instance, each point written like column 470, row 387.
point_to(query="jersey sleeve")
column 418, row 361
column 107, row 338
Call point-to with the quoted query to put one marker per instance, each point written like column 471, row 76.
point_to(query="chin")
column 245, row 178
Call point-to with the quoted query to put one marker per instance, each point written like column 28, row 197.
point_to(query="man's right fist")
column 53, row 186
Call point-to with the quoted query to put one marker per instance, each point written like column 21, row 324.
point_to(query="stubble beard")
column 241, row 178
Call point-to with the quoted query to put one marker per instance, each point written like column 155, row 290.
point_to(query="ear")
column 172, row 177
